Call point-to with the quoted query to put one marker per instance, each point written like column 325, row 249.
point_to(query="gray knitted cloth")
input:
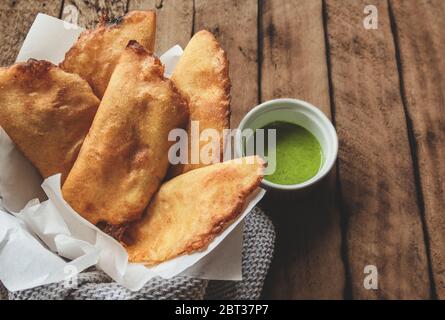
column 259, row 237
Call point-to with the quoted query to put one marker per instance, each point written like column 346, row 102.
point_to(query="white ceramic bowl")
column 301, row 113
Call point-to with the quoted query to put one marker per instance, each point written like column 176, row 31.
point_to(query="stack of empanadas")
column 102, row 119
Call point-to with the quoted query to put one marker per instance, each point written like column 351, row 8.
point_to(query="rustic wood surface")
column 89, row 11
column 420, row 28
column 384, row 90
column 16, row 17
column 308, row 243
column 375, row 165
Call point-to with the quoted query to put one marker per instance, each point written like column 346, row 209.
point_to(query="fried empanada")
column 191, row 209
column 125, row 156
column 97, row 51
column 47, row 112
column 202, row 76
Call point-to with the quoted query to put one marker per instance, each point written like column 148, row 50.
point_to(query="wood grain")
column 16, row 17
column 375, row 164
column 89, row 11
column 420, row 26
column 174, row 21
column 307, row 262
column 234, row 23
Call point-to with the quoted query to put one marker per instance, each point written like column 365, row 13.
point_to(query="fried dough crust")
column 202, row 76
column 47, row 112
column 190, row 210
column 96, row 53
column 125, row 155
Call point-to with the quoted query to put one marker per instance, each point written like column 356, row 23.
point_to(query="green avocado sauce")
column 298, row 154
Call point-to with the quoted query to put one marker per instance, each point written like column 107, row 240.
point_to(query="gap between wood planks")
column 413, row 149
column 343, row 216
column 62, row 6
column 193, row 20
column 260, row 47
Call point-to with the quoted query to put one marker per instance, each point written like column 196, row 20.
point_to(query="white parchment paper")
column 43, row 240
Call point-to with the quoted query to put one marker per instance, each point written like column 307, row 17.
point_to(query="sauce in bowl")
column 305, row 150
column 299, row 155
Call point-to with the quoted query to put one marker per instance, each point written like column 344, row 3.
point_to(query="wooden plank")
column 89, row 11
column 16, row 17
column 234, row 23
column 307, row 262
column 174, row 21
column 420, row 26
column 375, row 164
column 306, row 265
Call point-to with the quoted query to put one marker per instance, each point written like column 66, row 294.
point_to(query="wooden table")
column 384, row 89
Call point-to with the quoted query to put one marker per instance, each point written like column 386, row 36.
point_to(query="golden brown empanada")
column 191, row 209
column 125, row 155
column 47, row 113
column 202, row 76
column 97, row 51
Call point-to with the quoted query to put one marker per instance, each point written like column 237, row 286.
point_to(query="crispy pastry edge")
column 103, row 25
column 218, row 227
